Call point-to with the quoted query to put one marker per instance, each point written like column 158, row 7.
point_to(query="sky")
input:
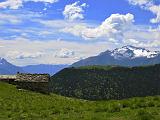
column 66, row 31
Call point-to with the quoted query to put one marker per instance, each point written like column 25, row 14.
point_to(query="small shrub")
column 144, row 115
column 138, row 104
column 101, row 110
column 125, row 104
column 158, row 105
column 55, row 111
column 156, row 98
column 114, row 108
column 150, row 104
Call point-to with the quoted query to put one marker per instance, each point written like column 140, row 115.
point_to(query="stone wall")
column 32, row 77
column 7, row 78
column 34, row 82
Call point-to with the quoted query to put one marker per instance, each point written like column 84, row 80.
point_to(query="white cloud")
column 140, row 2
column 64, row 53
column 12, row 4
column 15, row 4
column 118, row 29
column 68, row 52
column 48, row 52
column 156, row 10
column 144, row 37
column 8, row 18
column 23, row 55
column 45, row 1
column 74, row 11
column 150, row 6
column 112, row 28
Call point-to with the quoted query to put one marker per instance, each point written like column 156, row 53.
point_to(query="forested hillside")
column 107, row 82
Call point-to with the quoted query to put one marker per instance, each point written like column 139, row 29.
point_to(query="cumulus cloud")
column 150, row 6
column 112, row 28
column 15, row 4
column 64, row 53
column 74, row 11
column 118, row 29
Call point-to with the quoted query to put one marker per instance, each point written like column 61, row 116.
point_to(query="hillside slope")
column 100, row 82
column 25, row 105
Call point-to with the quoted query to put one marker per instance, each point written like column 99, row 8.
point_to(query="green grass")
column 26, row 105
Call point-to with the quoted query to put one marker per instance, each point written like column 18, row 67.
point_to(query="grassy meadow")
column 26, row 105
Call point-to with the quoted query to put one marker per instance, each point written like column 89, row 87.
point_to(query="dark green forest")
column 107, row 82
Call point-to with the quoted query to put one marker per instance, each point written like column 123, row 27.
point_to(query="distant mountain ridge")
column 44, row 68
column 7, row 68
column 125, row 56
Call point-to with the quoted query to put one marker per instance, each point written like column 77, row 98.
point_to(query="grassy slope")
column 19, row 105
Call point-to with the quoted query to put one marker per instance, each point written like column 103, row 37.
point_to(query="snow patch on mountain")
column 132, row 52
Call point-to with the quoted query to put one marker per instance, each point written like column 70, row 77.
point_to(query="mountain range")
column 44, row 68
column 8, row 68
column 125, row 56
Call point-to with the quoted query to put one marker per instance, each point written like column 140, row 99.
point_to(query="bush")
column 125, row 104
column 156, row 98
column 138, row 104
column 144, row 115
column 150, row 104
column 114, row 108
column 101, row 110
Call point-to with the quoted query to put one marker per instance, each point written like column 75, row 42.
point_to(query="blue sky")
column 65, row 31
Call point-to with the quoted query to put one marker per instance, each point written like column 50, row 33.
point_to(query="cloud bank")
column 48, row 52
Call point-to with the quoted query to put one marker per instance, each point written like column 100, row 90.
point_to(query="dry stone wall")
column 34, row 82
column 32, row 77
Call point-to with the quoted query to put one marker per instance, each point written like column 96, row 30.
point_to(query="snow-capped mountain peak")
column 124, row 56
column 133, row 52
